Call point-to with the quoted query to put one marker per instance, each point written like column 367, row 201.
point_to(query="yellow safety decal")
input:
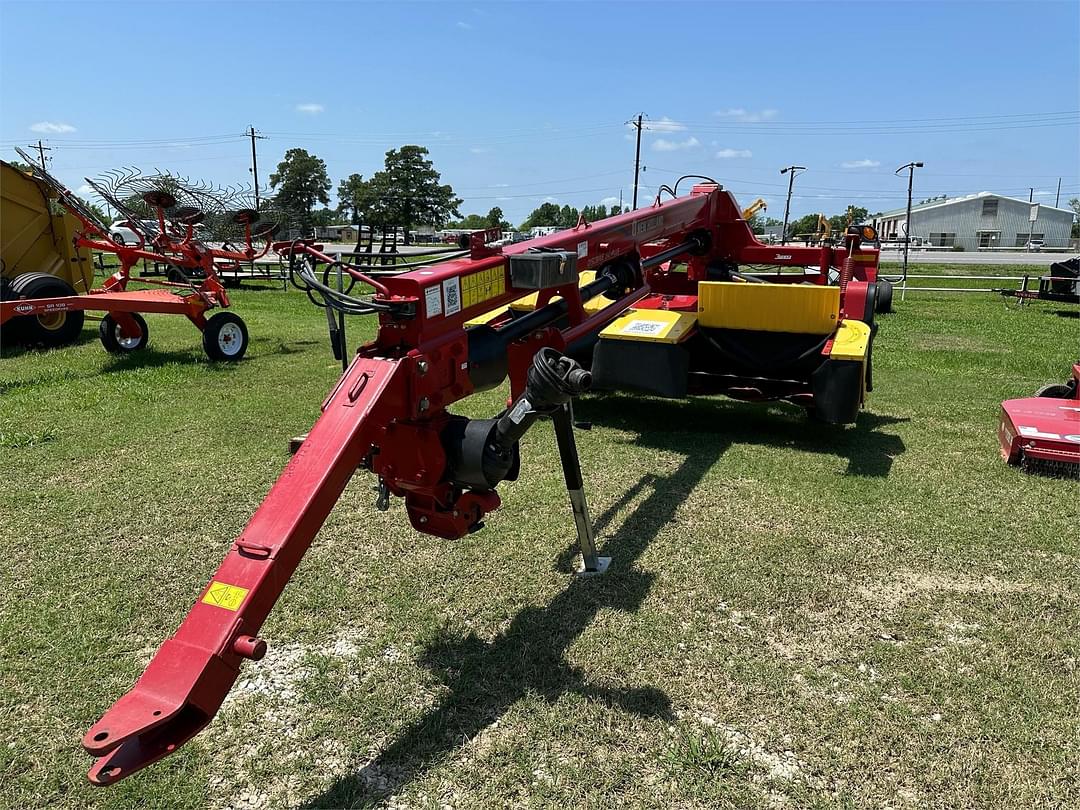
column 477, row 288
column 851, row 341
column 650, row 326
column 223, row 595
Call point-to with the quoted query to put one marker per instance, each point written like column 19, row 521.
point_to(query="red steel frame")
column 1044, row 428
column 385, row 414
column 114, row 297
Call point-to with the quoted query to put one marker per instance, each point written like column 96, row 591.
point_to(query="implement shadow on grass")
column 868, row 450
column 486, row 678
column 11, row 348
column 153, row 358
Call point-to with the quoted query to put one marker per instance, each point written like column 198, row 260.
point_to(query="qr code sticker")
column 451, row 292
column 643, row 328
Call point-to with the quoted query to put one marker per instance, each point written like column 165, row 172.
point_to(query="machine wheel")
column 10, row 333
column 884, row 295
column 53, row 329
column 225, row 337
column 116, row 342
column 1056, row 391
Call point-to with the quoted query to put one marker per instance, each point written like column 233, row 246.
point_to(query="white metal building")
column 983, row 220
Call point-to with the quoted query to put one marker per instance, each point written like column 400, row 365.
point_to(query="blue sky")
column 523, row 102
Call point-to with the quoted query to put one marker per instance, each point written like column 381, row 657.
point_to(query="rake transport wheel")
column 884, row 295
column 116, row 341
column 225, row 337
column 50, row 329
column 9, row 332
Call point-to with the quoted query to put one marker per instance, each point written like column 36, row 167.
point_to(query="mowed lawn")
column 880, row 615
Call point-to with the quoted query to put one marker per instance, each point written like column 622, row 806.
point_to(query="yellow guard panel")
column 802, row 308
column 650, row 326
column 851, row 341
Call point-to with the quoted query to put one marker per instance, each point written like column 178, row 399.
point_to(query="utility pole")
column 42, row 149
column 911, row 167
column 254, row 161
column 787, row 205
column 637, row 156
column 1031, row 219
column 1057, row 199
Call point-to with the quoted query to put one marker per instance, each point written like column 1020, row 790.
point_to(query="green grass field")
column 882, row 615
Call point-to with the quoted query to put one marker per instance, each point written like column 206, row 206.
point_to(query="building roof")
column 950, row 200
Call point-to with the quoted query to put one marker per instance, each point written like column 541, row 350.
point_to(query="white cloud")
column 609, row 201
column 310, row 108
column 734, row 153
column 500, row 185
column 663, row 145
column 865, row 163
column 51, row 128
column 664, row 124
column 84, row 189
column 551, row 199
column 747, row 116
column 464, row 26
column 479, row 150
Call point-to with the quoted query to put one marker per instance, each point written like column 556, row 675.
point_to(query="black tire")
column 1056, row 391
column 225, row 337
column 117, row 238
column 884, row 295
column 54, row 329
column 10, row 333
column 116, row 342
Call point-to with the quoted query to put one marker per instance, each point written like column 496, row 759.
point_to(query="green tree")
column 358, row 199
column 803, row 226
column 568, row 217
column 324, row 216
column 411, row 192
column 472, row 222
column 300, row 182
column 853, row 214
column 545, row 216
column 495, row 219
column 1074, row 204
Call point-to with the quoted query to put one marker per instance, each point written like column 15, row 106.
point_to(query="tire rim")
column 230, row 339
column 52, row 321
column 126, row 343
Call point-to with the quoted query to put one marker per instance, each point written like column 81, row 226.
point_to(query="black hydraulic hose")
column 690, row 245
column 520, row 327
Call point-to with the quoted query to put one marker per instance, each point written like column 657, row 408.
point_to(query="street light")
column 787, row 205
column 911, row 167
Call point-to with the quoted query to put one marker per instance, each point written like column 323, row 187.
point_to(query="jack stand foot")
column 602, row 564
column 295, row 442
